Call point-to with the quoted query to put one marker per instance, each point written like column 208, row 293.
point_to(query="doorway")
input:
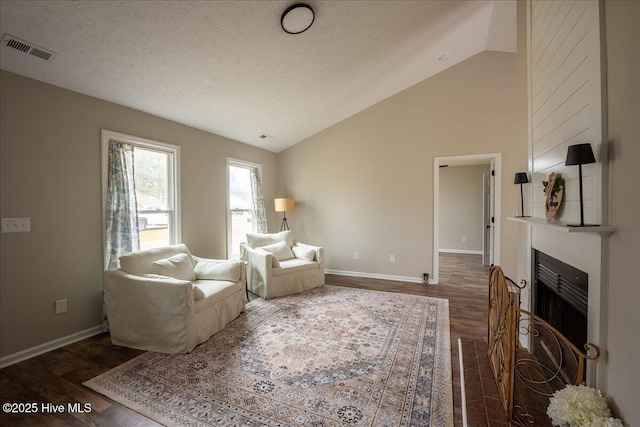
column 490, row 212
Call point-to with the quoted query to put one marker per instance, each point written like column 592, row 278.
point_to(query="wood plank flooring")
column 57, row 376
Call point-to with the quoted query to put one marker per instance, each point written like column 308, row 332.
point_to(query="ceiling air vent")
column 28, row 48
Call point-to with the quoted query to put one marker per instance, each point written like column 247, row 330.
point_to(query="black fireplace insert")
column 560, row 297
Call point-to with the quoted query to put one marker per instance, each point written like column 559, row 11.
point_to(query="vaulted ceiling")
column 227, row 67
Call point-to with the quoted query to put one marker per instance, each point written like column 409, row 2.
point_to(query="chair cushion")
column 178, row 266
column 304, row 253
column 294, row 265
column 280, row 250
column 214, row 291
column 229, row 270
column 256, row 240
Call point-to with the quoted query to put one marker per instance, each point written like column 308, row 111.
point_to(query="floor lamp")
column 285, row 205
column 521, row 178
column 580, row 154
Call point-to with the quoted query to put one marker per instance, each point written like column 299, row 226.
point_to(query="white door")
column 486, row 218
column 488, row 198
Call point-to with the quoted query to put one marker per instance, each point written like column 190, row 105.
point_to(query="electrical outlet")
column 464, row 239
column 425, row 277
column 61, row 306
column 392, row 258
column 356, row 255
column 16, row 225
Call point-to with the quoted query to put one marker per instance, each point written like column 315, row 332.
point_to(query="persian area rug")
column 331, row 356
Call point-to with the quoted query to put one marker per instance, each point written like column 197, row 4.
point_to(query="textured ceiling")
column 228, row 68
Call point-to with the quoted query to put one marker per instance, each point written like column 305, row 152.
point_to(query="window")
column 154, row 172
column 245, row 213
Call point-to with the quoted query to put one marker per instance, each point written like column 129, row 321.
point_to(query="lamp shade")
column 285, row 205
column 521, row 178
column 579, row 154
column 297, row 18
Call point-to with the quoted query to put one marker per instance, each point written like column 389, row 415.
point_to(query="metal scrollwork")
column 504, row 301
column 521, row 416
column 526, row 378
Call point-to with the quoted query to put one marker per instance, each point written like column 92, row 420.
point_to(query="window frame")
column 243, row 164
column 173, row 185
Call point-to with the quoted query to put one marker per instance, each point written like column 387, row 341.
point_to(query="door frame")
column 496, row 158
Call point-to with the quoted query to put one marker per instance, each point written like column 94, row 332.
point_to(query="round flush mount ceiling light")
column 297, row 18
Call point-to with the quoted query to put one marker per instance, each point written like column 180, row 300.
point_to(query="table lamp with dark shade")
column 521, row 178
column 580, row 154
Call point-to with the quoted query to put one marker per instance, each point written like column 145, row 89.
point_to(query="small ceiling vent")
column 28, row 48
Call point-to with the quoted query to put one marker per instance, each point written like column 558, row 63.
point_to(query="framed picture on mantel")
column 553, row 190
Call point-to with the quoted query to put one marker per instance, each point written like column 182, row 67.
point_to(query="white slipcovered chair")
column 169, row 301
column 277, row 265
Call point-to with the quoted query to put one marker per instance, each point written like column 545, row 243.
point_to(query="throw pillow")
column 306, row 254
column 229, row 270
column 256, row 240
column 274, row 260
column 178, row 266
column 280, row 250
column 197, row 292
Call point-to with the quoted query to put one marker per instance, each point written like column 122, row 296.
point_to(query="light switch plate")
column 16, row 225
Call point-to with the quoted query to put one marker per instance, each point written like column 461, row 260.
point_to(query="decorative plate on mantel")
column 553, row 190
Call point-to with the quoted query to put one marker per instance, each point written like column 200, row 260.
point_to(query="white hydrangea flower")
column 577, row 406
column 606, row 422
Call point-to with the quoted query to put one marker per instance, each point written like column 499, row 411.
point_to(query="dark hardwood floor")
column 57, row 376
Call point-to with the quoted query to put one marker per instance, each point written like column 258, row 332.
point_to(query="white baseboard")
column 48, row 346
column 377, row 276
column 460, row 251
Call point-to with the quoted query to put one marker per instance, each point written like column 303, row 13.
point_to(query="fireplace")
column 560, row 296
column 581, row 250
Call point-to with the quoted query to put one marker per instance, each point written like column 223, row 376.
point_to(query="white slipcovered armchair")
column 169, row 301
column 278, row 266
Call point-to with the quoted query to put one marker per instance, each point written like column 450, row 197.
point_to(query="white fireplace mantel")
column 603, row 230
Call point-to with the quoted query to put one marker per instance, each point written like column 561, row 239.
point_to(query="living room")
column 364, row 184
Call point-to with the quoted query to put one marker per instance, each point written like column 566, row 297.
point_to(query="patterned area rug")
column 332, row 356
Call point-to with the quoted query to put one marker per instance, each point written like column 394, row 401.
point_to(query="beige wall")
column 623, row 349
column 366, row 184
column 461, row 208
column 51, row 172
